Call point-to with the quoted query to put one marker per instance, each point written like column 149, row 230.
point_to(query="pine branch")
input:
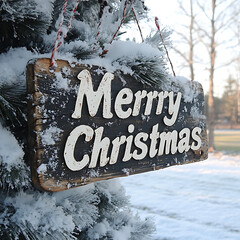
column 15, row 178
column 21, row 24
column 155, row 40
column 83, row 53
column 150, row 71
column 13, row 105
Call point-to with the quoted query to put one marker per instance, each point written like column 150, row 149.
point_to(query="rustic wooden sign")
column 86, row 125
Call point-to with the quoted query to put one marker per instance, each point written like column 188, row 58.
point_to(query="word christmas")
column 87, row 125
column 170, row 142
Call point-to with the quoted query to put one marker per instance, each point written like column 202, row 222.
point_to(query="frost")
column 109, row 124
column 13, row 65
column 188, row 88
column 61, row 82
column 126, row 171
column 14, row 173
column 44, row 6
column 42, row 169
column 128, row 49
column 11, row 154
column 51, row 135
column 93, row 173
column 196, row 115
column 154, row 167
column 59, row 214
column 122, row 80
column 41, row 212
column 66, row 71
column 99, row 71
column 44, row 213
column 145, row 118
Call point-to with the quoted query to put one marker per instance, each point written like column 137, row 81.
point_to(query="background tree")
column 212, row 55
column 230, row 101
column 212, row 36
column 211, row 23
column 187, row 39
column 218, row 107
column 236, row 56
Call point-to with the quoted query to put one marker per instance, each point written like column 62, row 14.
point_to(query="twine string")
column 59, row 40
column 158, row 27
column 123, row 17
column 139, row 28
column 115, row 34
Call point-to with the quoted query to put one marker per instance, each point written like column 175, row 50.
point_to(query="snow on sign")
column 87, row 124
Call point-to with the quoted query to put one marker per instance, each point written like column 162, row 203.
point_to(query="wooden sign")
column 86, row 125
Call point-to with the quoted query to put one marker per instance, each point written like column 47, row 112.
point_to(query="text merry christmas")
column 133, row 145
column 87, row 124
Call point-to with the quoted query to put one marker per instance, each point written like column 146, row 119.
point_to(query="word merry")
column 124, row 97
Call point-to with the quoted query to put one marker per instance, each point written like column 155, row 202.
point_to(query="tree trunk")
column 191, row 42
column 211, row 112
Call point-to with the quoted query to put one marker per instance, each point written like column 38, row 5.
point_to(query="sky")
column 169, row 15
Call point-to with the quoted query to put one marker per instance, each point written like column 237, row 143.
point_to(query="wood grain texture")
column 50, row 107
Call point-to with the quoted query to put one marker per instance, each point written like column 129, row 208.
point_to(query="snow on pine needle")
column 14, row 173
column 96, row 211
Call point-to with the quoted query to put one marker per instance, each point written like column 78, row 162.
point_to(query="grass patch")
column 228, row 141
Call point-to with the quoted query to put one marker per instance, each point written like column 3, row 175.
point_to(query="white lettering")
column 153, row 146
column 150, row 97
column 166, row 140
column 139, row 95
column 94, row 98
column 195, row 131
column 183, row 144
column 139, row 144
column 100, row 145
column 129, row 140
column 124, row 97
column 168, row 144
column 173, row 109
column 161, row 97
column 70, row 160
column 117, row 142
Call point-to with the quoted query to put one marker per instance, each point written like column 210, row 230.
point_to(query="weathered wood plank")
column 51, row 105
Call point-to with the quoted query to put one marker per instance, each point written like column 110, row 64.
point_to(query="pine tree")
column 28, row 30
column 230, row 101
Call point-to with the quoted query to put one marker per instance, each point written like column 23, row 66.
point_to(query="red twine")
column 135, row 15
column 158, row 27
column 123, row 17
column 59, row 41
column 98, row 33
column 115, row 34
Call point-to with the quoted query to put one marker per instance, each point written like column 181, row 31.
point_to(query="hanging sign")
column 87, row 124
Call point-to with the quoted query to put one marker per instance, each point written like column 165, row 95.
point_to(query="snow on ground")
column 199, row 201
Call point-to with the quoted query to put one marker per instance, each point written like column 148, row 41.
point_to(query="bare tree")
column 188, row 40
column 211, row 78
column 218, row 19
column 236, row 32
column 230, row 101
column 191, row 44
column 209, row 21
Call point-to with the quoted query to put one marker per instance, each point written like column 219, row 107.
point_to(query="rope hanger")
column 59, row 40
column 158, row 27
